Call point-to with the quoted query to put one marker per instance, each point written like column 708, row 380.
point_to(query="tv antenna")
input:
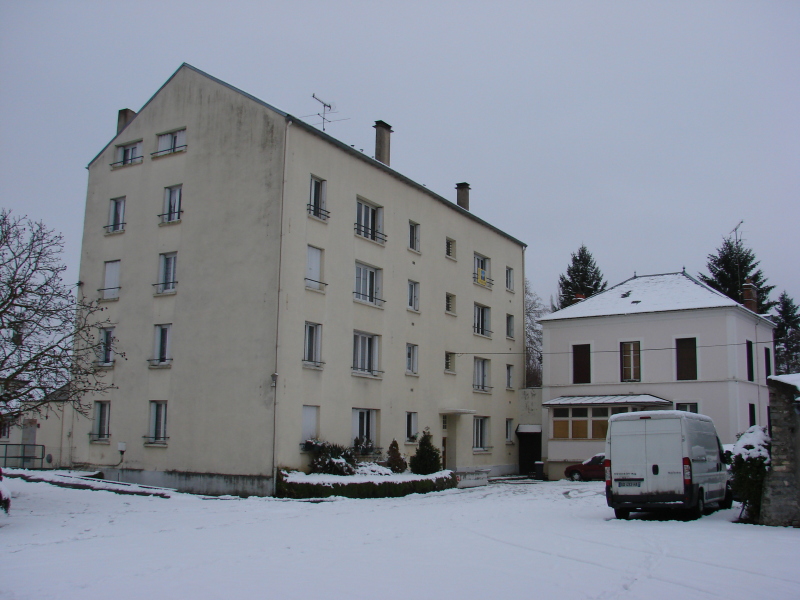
column 325, row 108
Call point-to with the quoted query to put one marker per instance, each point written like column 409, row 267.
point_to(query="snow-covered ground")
column 508, row 540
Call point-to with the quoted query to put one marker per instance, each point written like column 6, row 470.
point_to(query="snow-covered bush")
column 5, row 495
column 750, row 461
column 394, row 459
column 428, row 459
column 331, row 459
column 371, row 468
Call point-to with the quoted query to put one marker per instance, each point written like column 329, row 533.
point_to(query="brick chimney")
column 383, row 136
column 462, row 195
column 750, row 295
column 125, row 116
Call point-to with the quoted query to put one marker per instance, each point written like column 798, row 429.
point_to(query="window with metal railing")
column 369, row 222
column 169, row 143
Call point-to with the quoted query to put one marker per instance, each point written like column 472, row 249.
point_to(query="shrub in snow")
column 331, row 459
column 428, row 459
column 394, row 459
column 364, row 447
column 5, row 495
column 371, row 468
column 749, row 465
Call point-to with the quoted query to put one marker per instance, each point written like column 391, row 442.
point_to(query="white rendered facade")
column 633, row 352
column 269, row 300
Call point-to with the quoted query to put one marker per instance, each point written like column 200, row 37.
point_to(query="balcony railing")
column 318, row 211
column 96, row 436
column 163, row 287
column 159, row 361
column 370, row 233
column 313, row 363
column 169, row 151
column 169, row 217
column 371, row 299
column 314, row 283
column 151, row 439
column 484, row 281
column 367, row 371
column 482, row 331
column 129, row 161
column 482, row 387
column 114, row 227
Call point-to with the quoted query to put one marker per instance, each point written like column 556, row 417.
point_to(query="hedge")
column 362, row 489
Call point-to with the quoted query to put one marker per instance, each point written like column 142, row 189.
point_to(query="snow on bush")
column 753, row 443
column 370, row 468
column 5, row 497
column 749, row 466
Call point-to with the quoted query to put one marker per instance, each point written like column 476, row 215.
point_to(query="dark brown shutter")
column 686, row 355
column 581, row 364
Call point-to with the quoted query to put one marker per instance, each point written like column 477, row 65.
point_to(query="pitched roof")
column 648, row 294
column 330, row 139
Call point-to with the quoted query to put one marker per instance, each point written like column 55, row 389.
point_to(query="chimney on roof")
column 383, row 136
column 125, row 116
column 462, row 195
column 750, row 295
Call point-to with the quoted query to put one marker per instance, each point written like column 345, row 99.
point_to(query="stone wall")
column 781, row 498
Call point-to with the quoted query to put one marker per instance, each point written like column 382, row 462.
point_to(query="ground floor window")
column 686, row 406
column 158, row 423
column 365, row 429
column 480, row 433
column 102, row 414
column 583, row 422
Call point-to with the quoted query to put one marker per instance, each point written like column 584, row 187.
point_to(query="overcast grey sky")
column 645, row 130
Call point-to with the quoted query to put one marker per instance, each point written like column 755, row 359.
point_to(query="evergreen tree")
column 427, row 460
column 582, row 278
column 395, row 460
column 787, row 336
column 731, row 266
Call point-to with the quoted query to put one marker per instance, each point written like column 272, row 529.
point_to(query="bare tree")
column 52, row 346
column 534, row 311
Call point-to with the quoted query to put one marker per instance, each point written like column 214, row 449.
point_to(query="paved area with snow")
column 508, row 540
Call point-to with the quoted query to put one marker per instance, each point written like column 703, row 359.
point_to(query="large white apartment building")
column 269, row 284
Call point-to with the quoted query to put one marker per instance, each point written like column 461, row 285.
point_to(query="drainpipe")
column 274, row 379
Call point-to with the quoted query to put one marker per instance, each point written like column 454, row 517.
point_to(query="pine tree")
column 730, row 267
column 583, row 278
column 427, row 460
column 395, row 460
column 787, row 336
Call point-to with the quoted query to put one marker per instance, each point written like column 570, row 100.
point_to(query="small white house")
column 655, row 341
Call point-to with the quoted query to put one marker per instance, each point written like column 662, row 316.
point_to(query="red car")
column 591, row 468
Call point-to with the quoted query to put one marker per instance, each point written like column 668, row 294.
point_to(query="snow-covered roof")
column 646, row 294
column 791, row 379
column 643, row 399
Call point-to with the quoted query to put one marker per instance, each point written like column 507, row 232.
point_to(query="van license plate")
column 629, row 483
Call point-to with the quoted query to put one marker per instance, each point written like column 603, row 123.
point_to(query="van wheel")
column 575, row 476
column 700, row 508
column 622, row 513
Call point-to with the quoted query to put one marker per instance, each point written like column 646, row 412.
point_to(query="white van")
column 664, row 459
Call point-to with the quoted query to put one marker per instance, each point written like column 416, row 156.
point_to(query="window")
column 369, row 222
column 686, row 358
column 411, row 427
column 752, row 414
column 317, row 200
column 509, row 279
column 480, row 433
column 480, row 380
column 413, row 295
column 116, row 216
column 751, row 376
column 510, row 326
column 767, row 362
column 582, row 422
column 413, row 236
column 450, row 303
column 314, row 269
column 450, row 248
column 509, row 431
column 481, row 273
column 509, row 376
column 444, row 422
column 630, row 361
column 158, row 423
column 106, row 350
column 312, row 344
column 111, row 280
column 687, row 406
column 162, row 353
column 581, row 363
column 365, row 353
column 167, row 272
column 450, row 362
column 5, row 429
column 129, row 154
column 172, row 204
column 368, row 285
column 365, row 425
column 171, row 142
column 102, row 414
column 482, row 320
column 310, row 426
column 412, row 359
column 599, row 422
